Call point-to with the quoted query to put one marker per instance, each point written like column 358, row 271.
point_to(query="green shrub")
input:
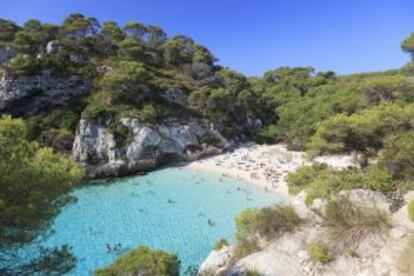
column 272, row 221
column 220, row 244
column 127, row 83
column 23, row 65
column 377, row 178
column 351, row 252
column 268, row 134
column 69, row 121
column 95, row 110
column 321, row 181
column 246, row 222
column 143, row 261
column 398, row 155
column 148, row 113
column 318, row 252
column 362, row 132
column 210, row 139
column 350, row 223
column 410, row 208
column 245, row 246
column 302, row 177
column 267, row 222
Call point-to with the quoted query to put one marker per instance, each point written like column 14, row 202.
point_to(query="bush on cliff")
column 349, row 222
column 268, row 222
column 220, row 244
column 319, row 252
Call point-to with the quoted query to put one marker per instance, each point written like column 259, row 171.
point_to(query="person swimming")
column 211, row 223
column 108, row 248
column 117, row 246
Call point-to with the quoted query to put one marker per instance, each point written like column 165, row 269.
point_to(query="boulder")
column 268, row 263
column 217, row 262
column 53, row 47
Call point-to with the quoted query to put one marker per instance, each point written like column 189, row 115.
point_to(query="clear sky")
column 253, row 36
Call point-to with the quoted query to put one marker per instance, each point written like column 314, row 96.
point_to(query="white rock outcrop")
column 376, row 254
column 218, row 261
column 145, row 147
column 337, row 161
column 268, row 263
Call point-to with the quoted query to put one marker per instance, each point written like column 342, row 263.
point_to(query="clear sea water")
column 167, row 209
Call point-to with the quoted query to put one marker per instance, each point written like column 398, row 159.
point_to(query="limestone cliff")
column 145, row 147
column 28, row 94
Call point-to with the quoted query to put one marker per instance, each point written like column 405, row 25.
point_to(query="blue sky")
column 254, row 36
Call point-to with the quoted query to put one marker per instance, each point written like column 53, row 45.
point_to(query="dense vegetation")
column 370, row 115
column 143, row 261
column 132, row 65
column 33, row 184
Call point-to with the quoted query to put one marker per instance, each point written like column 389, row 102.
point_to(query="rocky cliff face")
column 145, row 147
column 377, row 254
column 27, row 95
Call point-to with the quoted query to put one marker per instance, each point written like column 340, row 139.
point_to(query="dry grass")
column 350, row 223
column 273, row 221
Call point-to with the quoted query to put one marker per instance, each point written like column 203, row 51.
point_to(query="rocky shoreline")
column 374, row 254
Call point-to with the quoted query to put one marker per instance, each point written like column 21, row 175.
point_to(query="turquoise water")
column 167, row 209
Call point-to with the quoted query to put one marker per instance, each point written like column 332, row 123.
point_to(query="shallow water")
column 167, row 209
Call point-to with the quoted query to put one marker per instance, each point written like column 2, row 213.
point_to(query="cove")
column 167, row 209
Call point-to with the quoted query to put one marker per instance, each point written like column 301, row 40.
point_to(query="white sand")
column 252, row 163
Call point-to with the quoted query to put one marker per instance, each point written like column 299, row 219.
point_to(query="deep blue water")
column 167, row 209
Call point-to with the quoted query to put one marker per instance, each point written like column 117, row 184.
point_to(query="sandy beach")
column 264, row 165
